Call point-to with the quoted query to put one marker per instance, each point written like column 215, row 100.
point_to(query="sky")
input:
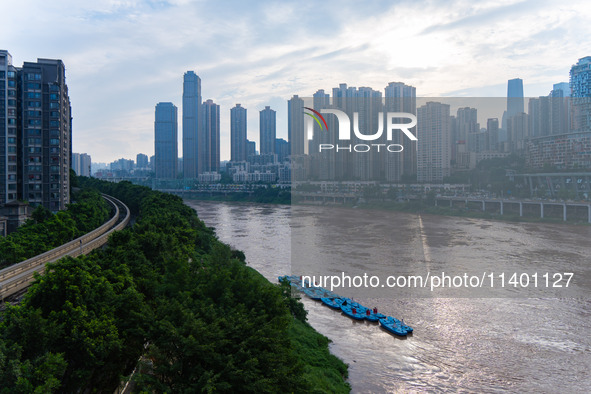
column 124, row 56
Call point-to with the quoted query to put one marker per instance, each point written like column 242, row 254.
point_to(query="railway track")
column 17, row 277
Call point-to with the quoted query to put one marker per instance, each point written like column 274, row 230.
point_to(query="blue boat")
column 394, row 326
column 293, row 280
column 359, row 313
column 334, row 303
column 375, row 317
column 314, row 293
column 401, row 324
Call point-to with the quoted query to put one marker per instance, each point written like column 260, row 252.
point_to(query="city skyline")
column 109, row 49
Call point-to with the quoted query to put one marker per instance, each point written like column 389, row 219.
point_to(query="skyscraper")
column 560, row 89
column 580, row 86
column 46, row 134
column 193, row 139
column 323, row 162
column 368, row 106
column 492, row 129
column 268, row 130
column 211, row 133
column 515, row 102
column 166, row 140
column 238, row 133
column 295, row 125
column 434, row 142
column 400, row 97
column 8, row 129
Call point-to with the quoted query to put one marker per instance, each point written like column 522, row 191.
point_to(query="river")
column 533, row 341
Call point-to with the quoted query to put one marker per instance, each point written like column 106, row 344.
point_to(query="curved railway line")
column 19, row 276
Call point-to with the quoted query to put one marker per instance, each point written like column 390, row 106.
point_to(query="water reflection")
column 467, row 344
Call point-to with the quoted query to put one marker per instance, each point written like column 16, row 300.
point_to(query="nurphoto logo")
column 344, row 130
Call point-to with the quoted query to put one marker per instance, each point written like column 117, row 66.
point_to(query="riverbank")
column 268, row 195
column 408, row 207
column 166, row 291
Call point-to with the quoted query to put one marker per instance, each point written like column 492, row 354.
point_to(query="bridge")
column 19, row 276
column 543, row 209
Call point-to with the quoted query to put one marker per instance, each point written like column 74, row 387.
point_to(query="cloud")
column 487, row 16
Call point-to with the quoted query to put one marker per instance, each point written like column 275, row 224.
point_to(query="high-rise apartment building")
column 8, row 129
column 81, row 164
column 517, row 132
column 561, row 108
column 268, row 130
column 323, row 167
column 193, row 138
column 540, row 116
column 166, row 140
column 141, row 161
column 238, row 133
column 492, row 129
column 251, row 149
column 281, row 149
column 580, row 86
column 463, row 137
column 434, row 142
column 367, row 103
column 295, row 125
column 45, row 134
column 211, row 141
column 400, row 97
